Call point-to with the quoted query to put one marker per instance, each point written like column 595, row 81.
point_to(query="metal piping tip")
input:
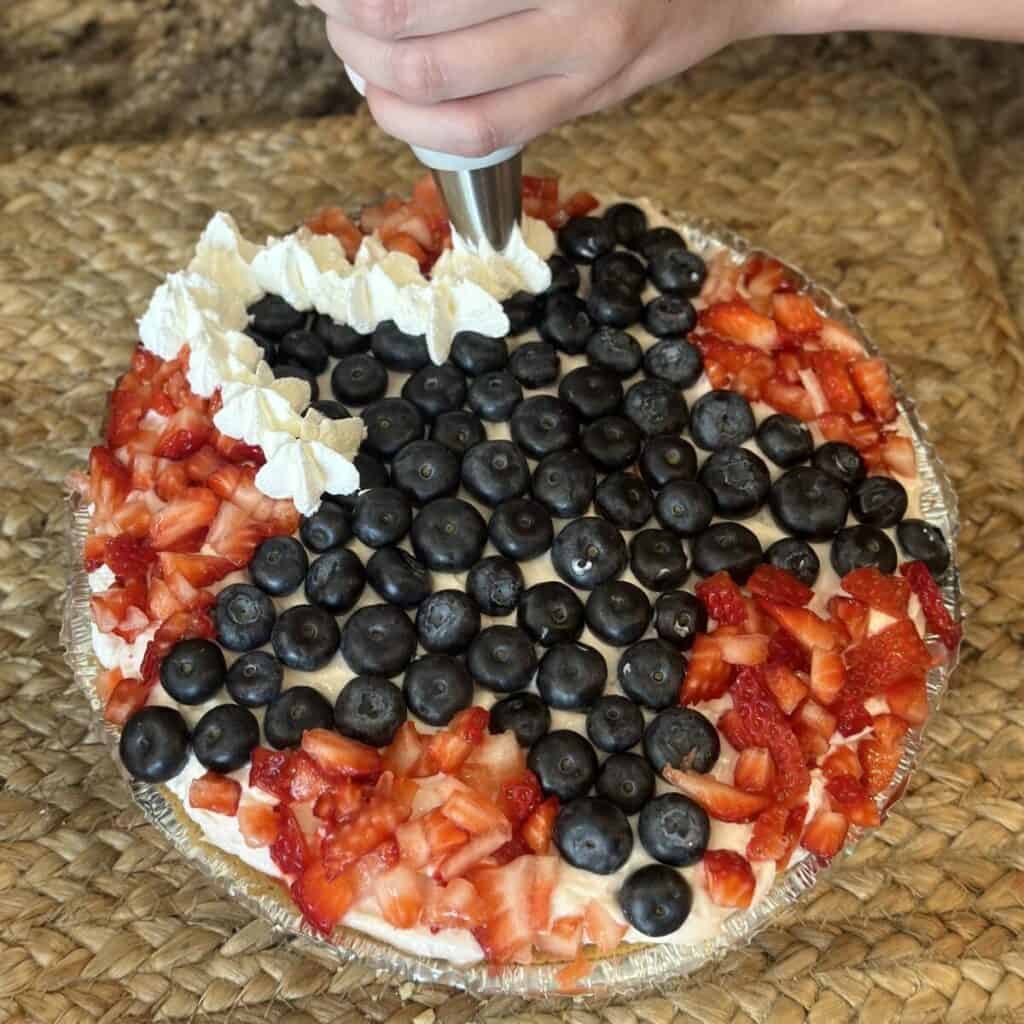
column 484, row 203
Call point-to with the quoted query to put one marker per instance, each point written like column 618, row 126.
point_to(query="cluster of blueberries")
column 597, row 446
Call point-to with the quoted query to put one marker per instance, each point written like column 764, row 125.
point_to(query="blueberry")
column 628, row 223
column 255, row 679
column 495, row 471
column 330, row 409
column 922, row 542
column 398, row 577
column 193, row 671
column 391, row 423
column 566, row 323
column 383, row 516
column 612, row 442
column 651, row 672
column 303, row 348
column 679, row 617
column 447, row 621
column 614, row 303
column 154, row 744
column 593, row 835
column 494, row 396
column 564, row 763
column 658, row 560
column 436, row 389
column 669, row 315
column 502, row 658
column 785, row 440
column 879, row 501
column 370, row 709
column 625, row 500
column 496, row 584
column 425, row 470
column 458, row 430
column 571, row 676
column 651, row 242
column 674, row 361
column 551, row 613
column 667, row 457
column 279, row 565
column 808, row 503
column 615, row 724
column 298, row 709
column 674, row 830
column 727, row 547
column 341, row 339
column 584, row 239
column 274, row 317
column 656, row 407
column 591, row 390
column 535, row 364
column 521, row 529
column 738, row 480
column 522, row 310
column 720, row 420
column 449, row 535
column 860, row 547
column 564, row 275
column 225, row 737
column 796, row 557
column 627, row 781
column 615, row 350
column 405, row 353
column 678, row 272
column 358, row 379
column 682, row 738
column 588, row 552
column 293, row 370
column 476, row 353
column 328, row 527
column 544, row 424
column 564, row 483
column 378, row 640
column 335, row 581
column 621, row 268
column 841, row 461
column 372, row 473
column 525, row 714
column 685, row 507
column 656, row 900
column 244, row 617
column 618, row 612
column 305, row 637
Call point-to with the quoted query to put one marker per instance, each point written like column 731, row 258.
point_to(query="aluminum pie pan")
column 631, row 967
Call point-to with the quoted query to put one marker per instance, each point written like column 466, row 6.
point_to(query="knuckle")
column 382, row 19
column 416, row 73
column 480, row 136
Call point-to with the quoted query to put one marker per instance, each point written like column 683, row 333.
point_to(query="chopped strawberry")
column 172, row 481
column 184, row 520
column 842, row 761
column 442, row 835
column 335, row 804
column 518, row 797
column 707, row 675
column 888, row 594
column 763, row 275
column 334, row 221
column 127, row 556
column 563, row 940
column 270, row 770
column 785, row 649
column 786, row 687
column 447, row 751
column 885, row 656
column 880, row 753
column 828, row 675
column 737, row 321
column 404, row 752
column 545, row 877
column 203, row 463
column 852, row 614
column 729, row 878
column 305, row 782
column 825, row 834
column 133, row 518
column 840, row 394
column 399, row 241
column 536, row 831
column 323, row 900
column 455, row 905
column 788, row 398
column 747, row 649
column 600, row 928
column 508, row 852
column 775, row 584
column 472, row 853
column 109, row 483
column 373, row 825
column 836, row 426
column 810, row 629
column 400, row 895
column 865, row 433
column 258, row 822
column 337, row 756
column 795, row 313
column 127, row 408
column 872, row 379
column 128, row 696
column 812, row 386
column 473, row 812
column 791, row 835
column 215, row 792
column 568, row 978
column 413, row 847
column 767, row 838
column 723, row 278
column 182, row 625
column 537, row 187
column 730, row 725
column 898, row 455
column 846, row 795
column 289, row 851
column 106, row 682
column 814, row 716
column 236, row 451
column 851, row 715
column 199, row 570
column 908, row 698
column 936, row 615
column 721, row 801
column 496, row 760
column 754, row 771
column 381, row 859
column 722, row 598
column 183, row 434
column 507, row 892
column 838, row 338
column 579, row 204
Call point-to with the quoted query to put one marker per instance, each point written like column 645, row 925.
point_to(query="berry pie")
column 513, row 607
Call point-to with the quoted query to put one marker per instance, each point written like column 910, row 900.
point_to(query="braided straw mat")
column 850, row 176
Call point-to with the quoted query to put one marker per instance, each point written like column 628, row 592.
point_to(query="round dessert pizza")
column 510, row 607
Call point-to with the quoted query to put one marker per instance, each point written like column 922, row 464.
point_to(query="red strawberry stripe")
column 936, row 615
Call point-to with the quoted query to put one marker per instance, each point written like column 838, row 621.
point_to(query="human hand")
column 470, row 77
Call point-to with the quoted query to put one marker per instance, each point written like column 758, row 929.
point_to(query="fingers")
column 401, row 19
column 466, row 62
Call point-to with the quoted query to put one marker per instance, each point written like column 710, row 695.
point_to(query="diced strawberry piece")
column 775, row 584
column 722, row 598
column 442, row 835
column 323, row 900
column 579, row 204
column 908, row 698
column 455, row 905
column 413, row 847
column 767, row 838
column 747, row 649
column 730, row 725
column 795, row 312
column 127, row 556
column 539, row 826
column 763, row 275
column 787, row 365
column 519, row 797
column 508, row 852
column 568, row 978
column 127, row 408
column 199, row 570
column 836, row 427
column 888, row 594
column 601, row 928
column 497, row 760
column 729, row 878
column 334, row 221
column 215, row 792
column 812, row 386
column 404, row 752
column 545, row 877
column 791, row 835
column 109, row 483
column 786, row 687
column 185, row 519
column 508, row 894
column 93, row 554
column 400, row 895
column 722, row 283
column 540, row 187
column 737, row 321
column 755, row 771
column 337, row 803
column 788, row 398
column 563, row 940
column 183, row 434
column 785, row 649
column 203, row 463
column 402, row 242
column 838, row 338
column 851, row 715
column 885, row 656
column 381, row 859
column 828, row 675
column 749, row 380
column 825, row 834
column 172, row 481
column 258, row 822
column 373, row 825
column 289, row 851
column 707, row 675
column 880, row 754
column 236, row 451
column 270, row 770
column 338, row 756
column 846, row 795
column 128, row 696
column 852, row 614
column 836, row 384
column 842, row 761
column 801, row 623
column 755, row 622
column 813, row 715
column 305, row 782
column 446, row 752
column 106, row 682
column 726, row 803
column 872, row 379
column 472, row 853
column 473, row 812
column 717, row 374
column 936, row 615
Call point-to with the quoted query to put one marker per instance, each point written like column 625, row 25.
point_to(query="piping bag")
column 483, row 194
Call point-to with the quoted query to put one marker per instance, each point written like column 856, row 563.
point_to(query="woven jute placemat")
column 850, row 176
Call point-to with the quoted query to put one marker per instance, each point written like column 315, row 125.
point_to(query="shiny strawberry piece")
column 886, row 656
column 199, row 570
column 404, row 752
column 507, row 892
column 851, row 715
column 838, row 338
column 184, row 519
column 707, row 674
column 563, row 940
column 289, row 851
column 739, row 322
column 871, row 376
column 183, row 434
column 880, row 753
column 789, row 398
column 767, row 837
column 473, row 812
column 215, row 792
column 441, row 834
column 721, row 801
column 127, row 697
column 374, row 824
column 338, row 756
column 109, row 483
column 774, row 584
column 722, row 598
column 337, row 803
column 828, row 675
column 929, row 596
column 519, row 797
column 306, row 781
column 745, row 649
column 847, row 795
column 600, row 928
column 791, row 835
column 852, row 614
column 840, row 393
column 473, row 852
column 908, row 698
column 536, row 831
column 730, row 725
column 372, row 865
column 802, row 624
column 785, row 649
column 270, row 770
column 795, row 313
column 754, row 771
column 506, row 853
column 498, row 759
column 729, row 878
column 786, row 687
column 842, row 761
column 888, row 594
column 400, row 894
column 323, row 900
column 455, row 905
column 258, row 822
column 825, row 834
column 334, row 221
